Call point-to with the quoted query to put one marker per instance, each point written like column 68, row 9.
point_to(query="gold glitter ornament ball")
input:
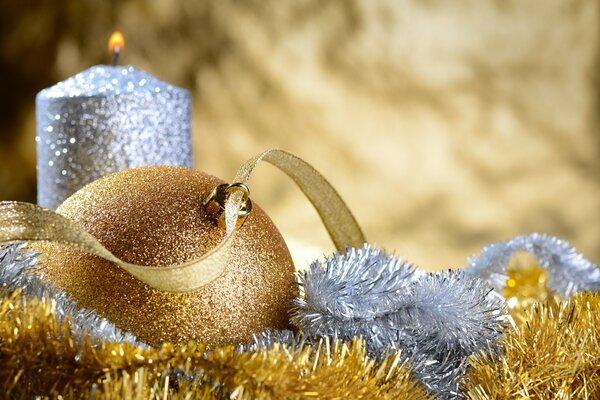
column 155, row 216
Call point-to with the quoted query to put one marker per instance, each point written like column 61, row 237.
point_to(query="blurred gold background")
column 445, row 125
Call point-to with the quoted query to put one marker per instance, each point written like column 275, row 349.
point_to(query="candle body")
column 107, row 119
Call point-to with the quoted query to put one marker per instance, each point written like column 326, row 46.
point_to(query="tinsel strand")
column 568, row 271
column 269, row 338
column 554, row 355
column 436, row 320
column 29, row 328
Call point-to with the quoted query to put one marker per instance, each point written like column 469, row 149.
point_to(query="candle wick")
column 115, row 57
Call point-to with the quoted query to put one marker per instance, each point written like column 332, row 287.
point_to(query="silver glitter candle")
column 103, row 120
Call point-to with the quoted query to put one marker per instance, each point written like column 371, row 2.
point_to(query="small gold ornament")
column 526, row 285
column 159, row 216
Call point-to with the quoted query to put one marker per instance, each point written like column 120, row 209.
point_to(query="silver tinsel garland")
column 568, row 271
column 17, row 265
column 355, row 287
column 269, row 338
column 437, row 320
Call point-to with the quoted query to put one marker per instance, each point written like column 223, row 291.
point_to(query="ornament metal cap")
column 215, row 204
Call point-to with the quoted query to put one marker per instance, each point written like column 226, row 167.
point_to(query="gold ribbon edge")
column 21, row 221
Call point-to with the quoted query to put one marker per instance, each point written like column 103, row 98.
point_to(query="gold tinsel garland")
column 39, row 357
column 553, row 354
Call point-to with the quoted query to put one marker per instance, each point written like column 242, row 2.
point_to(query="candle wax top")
column 106, row 80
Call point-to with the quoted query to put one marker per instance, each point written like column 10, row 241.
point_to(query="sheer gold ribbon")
column 28, row 222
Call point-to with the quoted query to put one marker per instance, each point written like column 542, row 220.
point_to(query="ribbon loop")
column 27, row 222
column 335, row 214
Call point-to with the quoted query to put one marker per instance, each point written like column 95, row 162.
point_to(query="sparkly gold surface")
column 155, row 216
column 526, row 285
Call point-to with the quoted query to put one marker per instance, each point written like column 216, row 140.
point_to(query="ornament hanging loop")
column 215, row 204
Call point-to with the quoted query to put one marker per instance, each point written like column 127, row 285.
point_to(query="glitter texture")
column 103, row 120
column 155, row 216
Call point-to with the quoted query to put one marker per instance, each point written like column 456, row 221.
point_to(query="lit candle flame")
column 116, row 43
